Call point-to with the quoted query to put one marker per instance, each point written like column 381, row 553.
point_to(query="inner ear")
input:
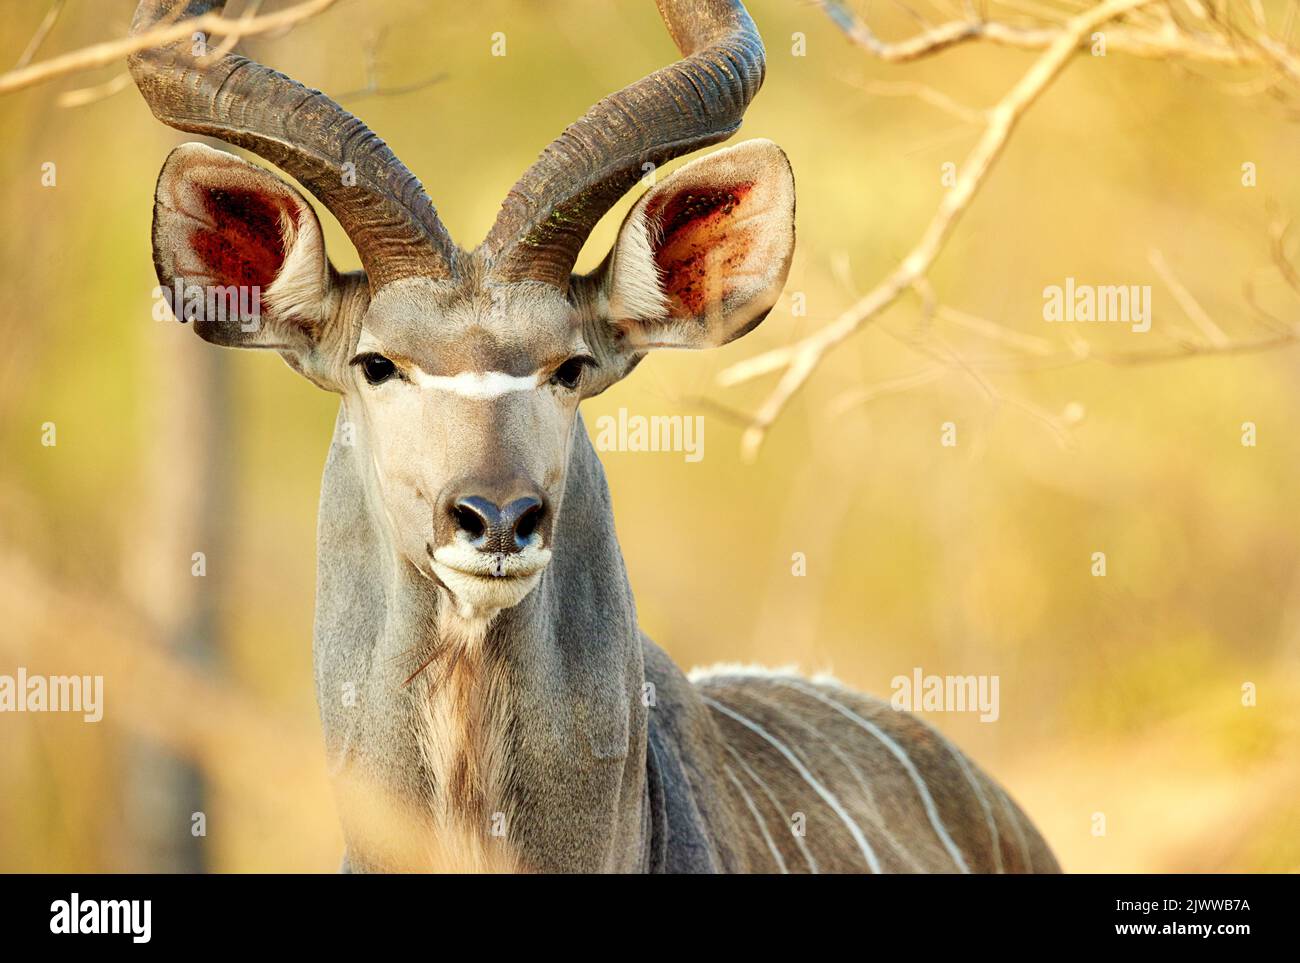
column 702, row 236
column 243, row 238
column 703, row 255
column 224, row 228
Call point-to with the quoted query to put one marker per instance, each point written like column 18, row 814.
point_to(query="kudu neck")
column 540, row 748
column 571, row 652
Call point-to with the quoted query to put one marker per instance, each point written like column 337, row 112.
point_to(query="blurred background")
column 1120, row 695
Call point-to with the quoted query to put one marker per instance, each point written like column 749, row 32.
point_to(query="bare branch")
column 861, row 396
column 83, row 96
column 42, row 31
column 211, row 24
column 373, row 88
column 227, row 45
column 1182, row 30
column 801, row 359
column 1191, row 307
column 1160, row 42
column 1027, row 343
column 924, row 93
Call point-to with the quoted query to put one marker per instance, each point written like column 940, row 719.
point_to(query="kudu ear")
column 240, row 254
column 703, row 255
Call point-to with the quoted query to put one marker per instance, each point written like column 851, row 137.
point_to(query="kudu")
column 488, row 699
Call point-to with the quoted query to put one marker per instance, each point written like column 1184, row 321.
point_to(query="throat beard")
column 465, row 732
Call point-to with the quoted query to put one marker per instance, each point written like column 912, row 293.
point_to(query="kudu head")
column 461, row 371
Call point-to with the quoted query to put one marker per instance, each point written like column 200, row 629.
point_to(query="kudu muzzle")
column 502, row 519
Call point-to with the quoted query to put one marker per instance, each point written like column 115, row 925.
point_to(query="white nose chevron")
column 479, row 385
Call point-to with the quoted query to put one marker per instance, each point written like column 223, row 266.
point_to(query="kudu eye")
column 569, row 374
column 375, row 367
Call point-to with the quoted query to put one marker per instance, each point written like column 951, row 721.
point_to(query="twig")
column 227, row 45
column 1191, row 307
column 924, row 93
column 1159, row 43
column 373, row 88
column 90, row 95
column 1028, row 343
column 110, row 51
column 42, row 31
column 855, row 397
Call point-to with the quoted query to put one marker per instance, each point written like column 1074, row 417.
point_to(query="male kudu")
column 487, row 697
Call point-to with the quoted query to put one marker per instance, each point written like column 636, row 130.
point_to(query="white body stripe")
column 477, row 385
column 798, row 840
column 809, row 778
column 1015, row 824
column 758, row 818
column 890, row 838
column 984, row 804
column 931, row 810
column 857, row 775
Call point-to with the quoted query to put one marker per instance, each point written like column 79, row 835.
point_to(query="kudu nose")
column 494, row 529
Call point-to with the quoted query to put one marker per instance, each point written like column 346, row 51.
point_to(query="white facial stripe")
column 478, row 385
